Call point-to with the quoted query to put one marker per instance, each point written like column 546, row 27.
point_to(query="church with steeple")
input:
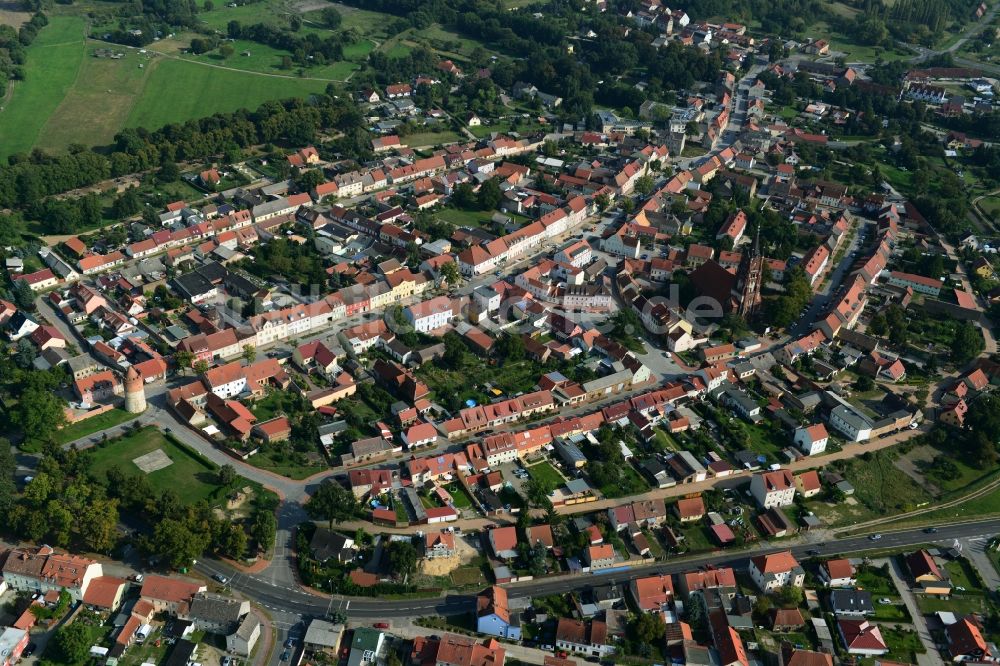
column 746, row 290
column 738, row 293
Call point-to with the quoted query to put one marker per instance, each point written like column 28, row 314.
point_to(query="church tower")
column 135, row 392
column 746, row 292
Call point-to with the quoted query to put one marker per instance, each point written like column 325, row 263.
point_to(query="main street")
column 293, row 600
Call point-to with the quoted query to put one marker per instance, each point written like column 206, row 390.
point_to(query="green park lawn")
column 459, row 496
column 277, row 459
column 422, row 139
column 265, row 59
column 70, row 96
column 877, row 582
column 108, row 419
column 546, row 473
column 53, row 62
column 463, row 218
column 193, row 477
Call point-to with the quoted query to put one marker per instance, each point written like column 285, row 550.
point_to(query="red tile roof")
column 103, row 591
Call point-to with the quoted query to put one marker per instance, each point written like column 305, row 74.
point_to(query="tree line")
column 13, row 43
column 69, row 505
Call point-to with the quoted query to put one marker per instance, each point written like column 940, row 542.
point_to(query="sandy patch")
column 152, row 461
column 443, row 566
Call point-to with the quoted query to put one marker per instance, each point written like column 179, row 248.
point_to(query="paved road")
column 299, row 602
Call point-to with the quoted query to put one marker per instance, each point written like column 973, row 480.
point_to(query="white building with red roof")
column 811, row 439
column 861, row 637
column 773, row 489
column 769, row 572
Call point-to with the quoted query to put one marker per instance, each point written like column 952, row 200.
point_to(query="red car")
column 381, row 625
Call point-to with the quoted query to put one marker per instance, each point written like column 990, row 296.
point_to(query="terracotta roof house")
column 493, row 616
column 966, row 642
column 690, row 508
column 540, row 534
column 652, row 592
column 105, row 593
column 837, row 573
column 860, row 637
column 808, row 483
column 923, row 567
column 794, row 657
column 503, row 541
column 277, row 429
column 167, row 593
column 776, row 570
column 786, row 619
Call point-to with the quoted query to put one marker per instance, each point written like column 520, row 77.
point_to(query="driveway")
column 932, row 657
column 975, row 549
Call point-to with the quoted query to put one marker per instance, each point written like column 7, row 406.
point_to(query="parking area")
column 515, row 475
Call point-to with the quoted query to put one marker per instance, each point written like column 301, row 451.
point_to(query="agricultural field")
column 71, row 96
column 54, row 60
column 196, row 91
column 12, row 14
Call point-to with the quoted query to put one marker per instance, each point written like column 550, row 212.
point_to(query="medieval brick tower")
column 135, row 392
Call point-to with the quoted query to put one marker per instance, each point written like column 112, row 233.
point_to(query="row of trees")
column 307, row 49
column 13, row 43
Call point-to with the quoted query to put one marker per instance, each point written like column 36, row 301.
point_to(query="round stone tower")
column 135, row 392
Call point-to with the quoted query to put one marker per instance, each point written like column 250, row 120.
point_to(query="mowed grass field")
column 97, row 105
column 179, row 90
column 193, row 478
column 52, row 67
column 69, row 96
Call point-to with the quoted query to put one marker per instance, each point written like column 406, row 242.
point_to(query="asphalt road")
column 290, row 599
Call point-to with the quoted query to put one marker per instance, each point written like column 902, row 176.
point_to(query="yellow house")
column 983, row 268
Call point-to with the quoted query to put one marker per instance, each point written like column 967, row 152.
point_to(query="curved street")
column 294, row 600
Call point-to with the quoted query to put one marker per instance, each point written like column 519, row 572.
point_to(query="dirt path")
column 232, row 69
column 908, row 466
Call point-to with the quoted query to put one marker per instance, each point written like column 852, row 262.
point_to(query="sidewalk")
column 265, row 644
column 932, row 657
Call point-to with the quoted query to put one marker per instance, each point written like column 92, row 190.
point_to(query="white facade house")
column 855, row 426
column 773, row 489
column 770, row 572
column 430, row 315
column 811, row 440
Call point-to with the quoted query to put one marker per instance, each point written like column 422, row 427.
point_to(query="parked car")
column 381, row 625
column 285, row 655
